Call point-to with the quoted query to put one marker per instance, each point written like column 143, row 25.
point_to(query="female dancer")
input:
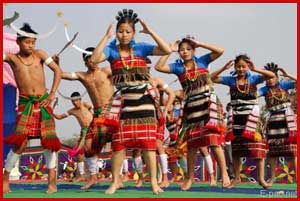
column 202, row 119
column 280, row 121
column 138, row 121
column 244, row 134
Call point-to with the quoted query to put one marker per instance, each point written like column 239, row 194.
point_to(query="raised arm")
column 161, row 64
column 98, row 56
column 56, row 78
column 179, row 94
column 215, row 75
column 215, row 50
column 285, row 74
column 266, row 73
column 65, row 75
column 70, row 76
column 162, row 47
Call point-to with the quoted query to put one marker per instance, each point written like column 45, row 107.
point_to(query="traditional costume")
column 280, row 125
column 244, row 123
column 99, row 134
column 138, row 119
column 203, row 115
column 34, row 121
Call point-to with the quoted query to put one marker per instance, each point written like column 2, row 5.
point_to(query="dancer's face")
column 125, row 33
column 272, row 81
column 76, row 103
column 241, row 68
column 186, row 51
column 90, row 65
column 27, row 45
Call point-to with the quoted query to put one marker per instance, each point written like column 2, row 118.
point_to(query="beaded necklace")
column 188, row 75
column 247, row 87
column 126, row 66
column 273, row 95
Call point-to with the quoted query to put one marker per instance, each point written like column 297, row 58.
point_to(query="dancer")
column 131, row 76
column 163, row 107
column 82, row 112
column 202, row 119
column 280, row 121
column 34, row 118
column 173, row 124
column 244, row 124
column 97, row 82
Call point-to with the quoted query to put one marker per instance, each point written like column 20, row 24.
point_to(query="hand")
column 174, row 45
column 109, row 32
column 193, row 41
column 228, row 65
column 284, row 73
column 48, row 100
column 56, row 59
column 145, row 29
column 251, row 65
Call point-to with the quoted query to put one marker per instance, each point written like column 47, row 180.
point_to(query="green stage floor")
column 198, row 190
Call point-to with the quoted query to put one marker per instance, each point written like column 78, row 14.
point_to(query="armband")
column 48, row 60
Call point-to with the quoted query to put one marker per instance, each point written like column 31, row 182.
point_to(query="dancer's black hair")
column 85, row 56
column 75, row 94
column 241, row 57
column 187, row 40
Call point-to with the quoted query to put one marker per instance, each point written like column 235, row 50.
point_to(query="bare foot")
column 212, row 180
column 271, row 181
column 90, row 183
column 187, row 184
column 233, row 183
column 156, row 189
column 226, row 181
column 51, row 189
column 125, row 178
column 159, row 180
column 120, row 184
column 164, row 184
column 172, row 179
column 112, row 189
column 264, row 184
column 79, row 178
column 139, row 183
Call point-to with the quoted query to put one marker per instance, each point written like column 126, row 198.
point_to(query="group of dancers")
column 129, row 108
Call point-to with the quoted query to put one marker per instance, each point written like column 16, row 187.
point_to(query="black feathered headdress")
column 127, row 14
column 272, row 67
